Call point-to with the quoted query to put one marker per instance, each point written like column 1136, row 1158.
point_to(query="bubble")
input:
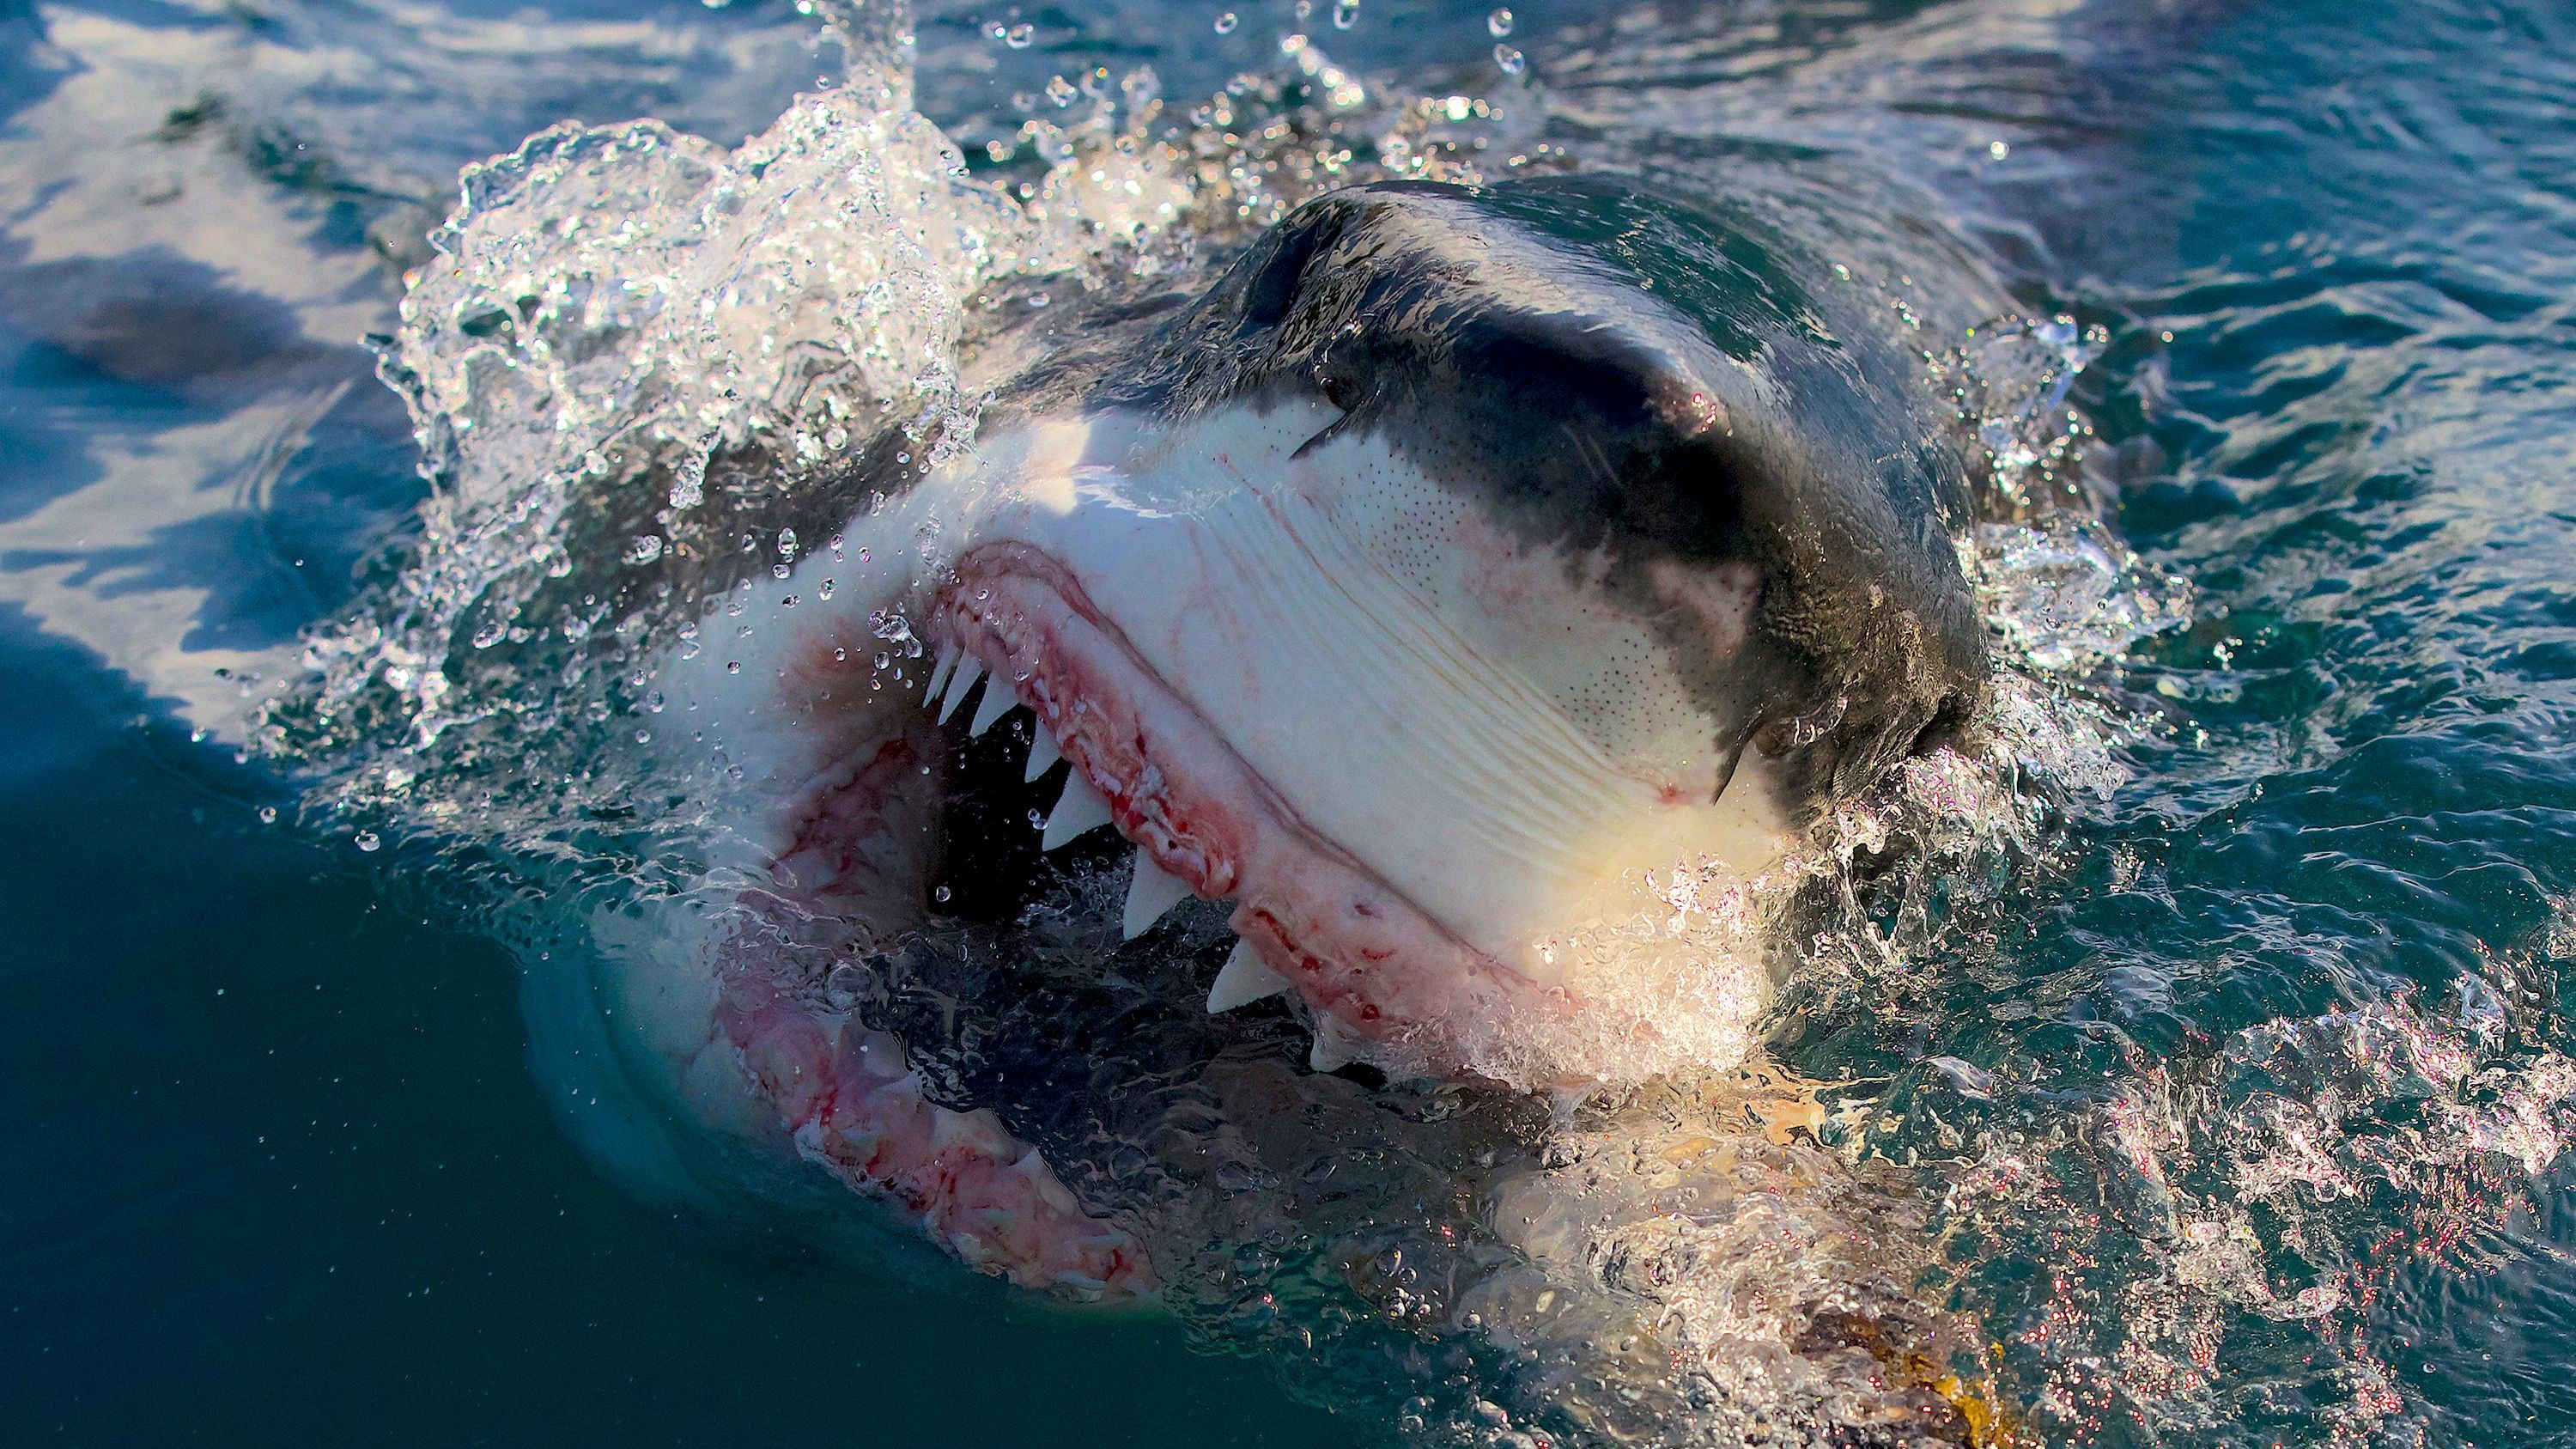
column 367, row 840
column 1499, row 24
column 1060, row 91
column 643, row 548
column 1019, row 37
column 1998, row 149
column 1512, row 61
column 1225, row 23
column 268, row 815
column 1346, row 13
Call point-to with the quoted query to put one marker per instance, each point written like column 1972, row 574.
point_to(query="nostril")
column 1272, row 288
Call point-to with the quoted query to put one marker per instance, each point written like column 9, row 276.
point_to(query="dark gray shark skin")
column 1603, row 370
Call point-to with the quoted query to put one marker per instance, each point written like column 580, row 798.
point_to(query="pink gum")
column 851, row 1102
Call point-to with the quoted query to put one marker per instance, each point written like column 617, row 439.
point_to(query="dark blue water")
column 273, row 1167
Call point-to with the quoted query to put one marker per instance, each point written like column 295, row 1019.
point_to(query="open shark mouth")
column 854, row 1104
column 1491, row 711
column 1310, row 917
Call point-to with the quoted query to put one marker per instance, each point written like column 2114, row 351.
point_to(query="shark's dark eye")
column 1341, row 389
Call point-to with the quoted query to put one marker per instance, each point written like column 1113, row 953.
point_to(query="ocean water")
column 2223, row 1043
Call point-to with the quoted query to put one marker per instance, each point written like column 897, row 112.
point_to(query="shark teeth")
column 1244, row 979
column 969, row 670
column 939, row 674
column 1150, row 893
column 998, row 702
column 1079, row 809
column 1336, row 1046
column 1042, row 754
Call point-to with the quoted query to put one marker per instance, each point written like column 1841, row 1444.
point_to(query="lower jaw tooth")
column 1245, row 979
column 1151, row 892
column 939, row 674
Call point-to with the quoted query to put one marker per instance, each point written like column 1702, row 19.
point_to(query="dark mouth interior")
column 992, row 877
column 990, row 867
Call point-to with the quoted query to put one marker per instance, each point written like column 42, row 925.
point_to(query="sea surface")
column 2246, row 1095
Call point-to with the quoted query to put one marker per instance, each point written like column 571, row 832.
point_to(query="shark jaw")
column 1439, row 776
column 1457, row 797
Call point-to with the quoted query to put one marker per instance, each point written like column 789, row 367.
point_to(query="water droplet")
column 1019, row 37
column 733, row 667
column 1512, row 61
column 842, row 987
column 643, row 549
column 643, row 737
column 367, row 840
column 1346, row 13
column 940, row 895
column 1225, row 23
column 825, row 592
column 1499, row 24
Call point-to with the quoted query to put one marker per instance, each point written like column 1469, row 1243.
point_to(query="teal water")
column 2265, row 1145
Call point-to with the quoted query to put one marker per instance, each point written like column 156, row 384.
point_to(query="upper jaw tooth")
column 1150, row 893
column 1244, row 979
column 1042, row 753
column 998, row 701
column 969, row 670
column 1080, row 808
column 1336, row 1046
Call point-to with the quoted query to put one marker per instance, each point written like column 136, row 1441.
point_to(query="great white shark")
column 1456, row 577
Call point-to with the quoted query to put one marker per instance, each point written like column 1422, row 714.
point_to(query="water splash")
column 641, row 367
column 630, row 333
